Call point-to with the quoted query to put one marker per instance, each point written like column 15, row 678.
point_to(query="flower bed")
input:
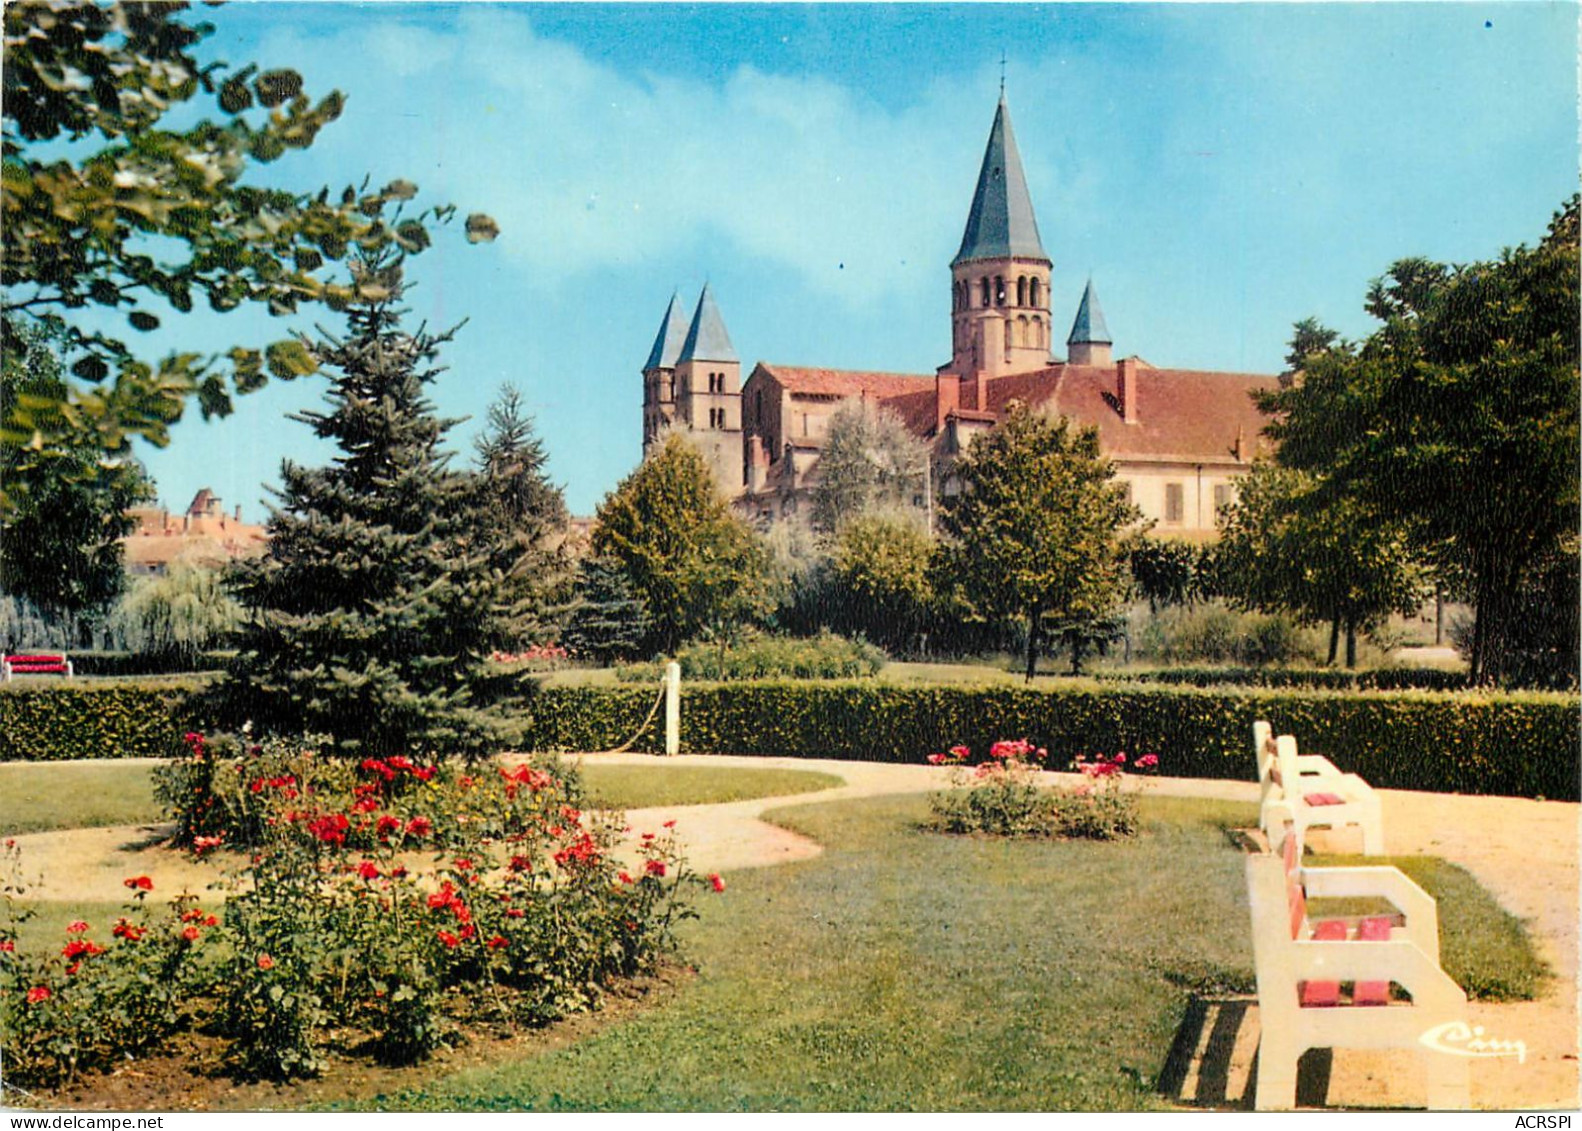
column 1001, row 795
column 379, row 907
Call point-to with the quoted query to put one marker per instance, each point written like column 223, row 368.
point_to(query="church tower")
column 708, row 393
column 659, row 374
column 1089, row 342
column 1000, row 277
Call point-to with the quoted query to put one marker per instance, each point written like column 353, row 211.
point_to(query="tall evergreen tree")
column 370, row 615
column 609, row 619
column 523, row 518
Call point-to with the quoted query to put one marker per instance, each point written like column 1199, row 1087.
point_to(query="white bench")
column 1303, row 791
column 1329, row 984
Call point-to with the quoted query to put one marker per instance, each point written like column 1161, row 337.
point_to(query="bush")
column 1001, row 796
column 133, row 719
column 1521, row 744
column 332, row 934
column 137, row 664
column 1212, row 633
column 825, row 656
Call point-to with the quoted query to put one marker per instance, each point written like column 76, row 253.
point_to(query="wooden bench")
column 36, row 663
column 1303, row 791
column 1372, row 982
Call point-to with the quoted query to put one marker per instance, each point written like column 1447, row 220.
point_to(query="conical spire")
column 1001, row 223
column 667, row 343
column 1089, row 327
column 707, row 339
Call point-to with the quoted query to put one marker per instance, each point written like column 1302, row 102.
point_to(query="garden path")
column 1524, row 852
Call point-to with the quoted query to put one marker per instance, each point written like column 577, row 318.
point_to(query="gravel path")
column 1524, row 852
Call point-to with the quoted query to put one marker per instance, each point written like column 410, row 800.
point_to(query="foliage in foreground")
column 824, row 656
column 333, row 932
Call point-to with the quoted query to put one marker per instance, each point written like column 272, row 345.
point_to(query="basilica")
column 1179, row 438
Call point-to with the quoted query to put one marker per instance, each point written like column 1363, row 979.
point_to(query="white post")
column 672, row 708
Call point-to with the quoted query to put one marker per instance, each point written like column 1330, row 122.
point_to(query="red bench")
column 35, row 663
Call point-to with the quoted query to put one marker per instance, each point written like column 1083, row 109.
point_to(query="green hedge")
column 1516, row 745
column 1317, row 679
column 135, row 664
column 110, row 719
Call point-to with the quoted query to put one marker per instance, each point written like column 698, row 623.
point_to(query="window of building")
column 1224, row 496
column 1010, row 328
column 999, row 290
column 1126, row 490
column 1175, row 502
column 1032, row 292
column 985, row 289
column 1021, row 291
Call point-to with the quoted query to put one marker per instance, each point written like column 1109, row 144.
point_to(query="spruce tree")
column 609, row 619
column 370, row 615
column 524, row 521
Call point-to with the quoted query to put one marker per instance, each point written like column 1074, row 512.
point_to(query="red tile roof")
column 845, row 382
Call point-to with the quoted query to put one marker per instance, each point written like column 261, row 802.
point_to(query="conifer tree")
column 609, row 619
column 370, row 614
column 523, row 518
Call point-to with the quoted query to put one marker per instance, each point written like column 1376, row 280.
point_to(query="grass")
column 1482, row 946
column 906, row 970
column 43, row 796
column 639, row 787
column 46, row 796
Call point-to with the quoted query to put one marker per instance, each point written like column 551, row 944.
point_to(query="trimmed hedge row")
column 135, row 664
column 1523, row 745
column 61, row 721
column 1325, row 679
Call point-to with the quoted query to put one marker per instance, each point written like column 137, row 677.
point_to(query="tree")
column 1289, row 546
column 870, row 461
column 65, row 514
column 608, row 620
column 370, row 616
column 177, row 616
column 1037, row 529
column 158, row 218
column 698, row 567
column 881, row 566
column 1167, row 572
column 1458, row 416
column 523, row 518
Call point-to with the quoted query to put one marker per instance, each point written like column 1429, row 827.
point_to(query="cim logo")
column 1460, row 1039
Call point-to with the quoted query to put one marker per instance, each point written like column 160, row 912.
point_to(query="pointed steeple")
column 1089, row 327
column 1001, row 224
column 667, row 343
column 707, row 339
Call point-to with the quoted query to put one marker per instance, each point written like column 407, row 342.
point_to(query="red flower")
column 38, row 994
column 419, row 826
column 715, row 881
column 463, row 864
column 398, row 763
column 79, row 948
column 330, row 829
column 497, row 942
column 1147, row 761
column 265, row 962
column 212, row 921
column 514, row 913
column 7, row 945
column 365, row 804
column 387, row 825
column 423, row 773
column 76, row 927
column 368, row 870
column 626, row 878
column 655, row 867
column 448, row 939
column 670, row 824
column 140, row 883
column 125, row 930
column 191, row 934
column 202, row 844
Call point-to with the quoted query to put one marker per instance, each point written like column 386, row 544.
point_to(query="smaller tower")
column 708, row 382
column 1089, row 343
column 659, row 374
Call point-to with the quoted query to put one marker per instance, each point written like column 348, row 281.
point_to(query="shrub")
column 825, row 656
column 141, row 664
column 1328, row 679
column 1522, row 744
column 131, row 719
column 1001, row 796
column 332, row 933
column 1212, row 633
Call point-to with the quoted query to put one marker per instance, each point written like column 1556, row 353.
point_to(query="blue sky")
column 1220, row 170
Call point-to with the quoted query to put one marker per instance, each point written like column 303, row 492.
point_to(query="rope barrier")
column 627, row 745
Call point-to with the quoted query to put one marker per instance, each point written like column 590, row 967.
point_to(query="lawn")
column 40, row 797
column 907, row 970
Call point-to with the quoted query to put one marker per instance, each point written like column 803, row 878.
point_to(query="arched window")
column 999, row 290
column 985, row 288
column 1038, row 333
column 1021, row 291
column 1033, row 292
column 1025, row 338
column 1009, row 329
